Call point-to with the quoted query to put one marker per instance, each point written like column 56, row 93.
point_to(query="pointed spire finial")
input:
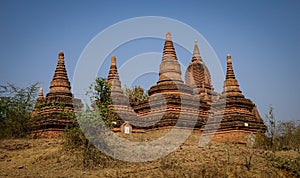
column 169, row 66
column 229, row 58
column 168, row 36
column 113, row 76
column 41, row 94
column 231, row 86
column 113, row 60
column 61, row 54
column 229, row 72
column 196, row 53
column 169, row 50
column 197, row 74
column 60, row 82
column 41, row 90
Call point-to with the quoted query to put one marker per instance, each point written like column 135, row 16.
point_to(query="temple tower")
column 169, row 72
column 237, row 115
column 120, row 103
column 231, row 86
column 60, row 88
column 55, row 111
column 198, row 77
column 169, row 67
column 197, row 73
column 170, row 99
column 113, row 76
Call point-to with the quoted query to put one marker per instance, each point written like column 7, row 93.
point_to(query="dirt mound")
column 47, row 158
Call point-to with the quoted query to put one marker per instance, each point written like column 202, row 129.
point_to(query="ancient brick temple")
column 192, row 104
column 51, row 114
column 234, row 116
column 229, row 116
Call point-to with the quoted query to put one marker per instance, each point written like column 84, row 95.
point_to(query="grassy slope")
column 47, row 158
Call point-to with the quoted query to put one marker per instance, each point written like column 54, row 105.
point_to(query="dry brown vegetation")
column 51, row 158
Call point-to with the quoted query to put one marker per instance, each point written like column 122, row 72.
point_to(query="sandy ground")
column 47, row 158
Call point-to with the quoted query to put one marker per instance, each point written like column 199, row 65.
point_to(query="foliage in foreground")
column 283, row 135
column 75, row 139
column 100, row 95
column 215, row 160
column 16, row 105
column 221, row 160
column 279, row 137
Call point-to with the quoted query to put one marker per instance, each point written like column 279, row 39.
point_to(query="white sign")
column 126, row 130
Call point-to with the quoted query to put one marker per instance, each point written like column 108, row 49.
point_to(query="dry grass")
column 47, row 158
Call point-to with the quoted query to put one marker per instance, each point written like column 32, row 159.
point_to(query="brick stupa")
column 120, row 103
column 230, row 116
column 192, row 104
column 54, row 112
column 235, row 117
column 198, row 77
column 170, row 99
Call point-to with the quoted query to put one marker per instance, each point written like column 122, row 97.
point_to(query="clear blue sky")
column 263, row 38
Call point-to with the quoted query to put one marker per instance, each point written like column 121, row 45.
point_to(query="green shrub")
column 16, row 105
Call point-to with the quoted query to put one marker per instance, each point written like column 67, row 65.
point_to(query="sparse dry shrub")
column 282, row 135
column 74, row 141
column 289, row 165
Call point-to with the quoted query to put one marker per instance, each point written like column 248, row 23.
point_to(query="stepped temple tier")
column 170, row 98
column 171, row 102
column 120, row 102
column 51, row 114
column 240, row 115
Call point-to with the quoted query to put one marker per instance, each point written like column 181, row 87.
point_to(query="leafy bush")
column 16, row 105
column 100, row 95
column 136, row 94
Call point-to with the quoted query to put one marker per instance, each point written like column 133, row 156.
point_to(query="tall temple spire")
column 196, row 53
column 169, row 50
column 229, row 72
column 168, row 36
column 113, row 76
column 51, row 113
column 231, row 86
column 169, row 67
column 60, row 82
column 197, row 74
